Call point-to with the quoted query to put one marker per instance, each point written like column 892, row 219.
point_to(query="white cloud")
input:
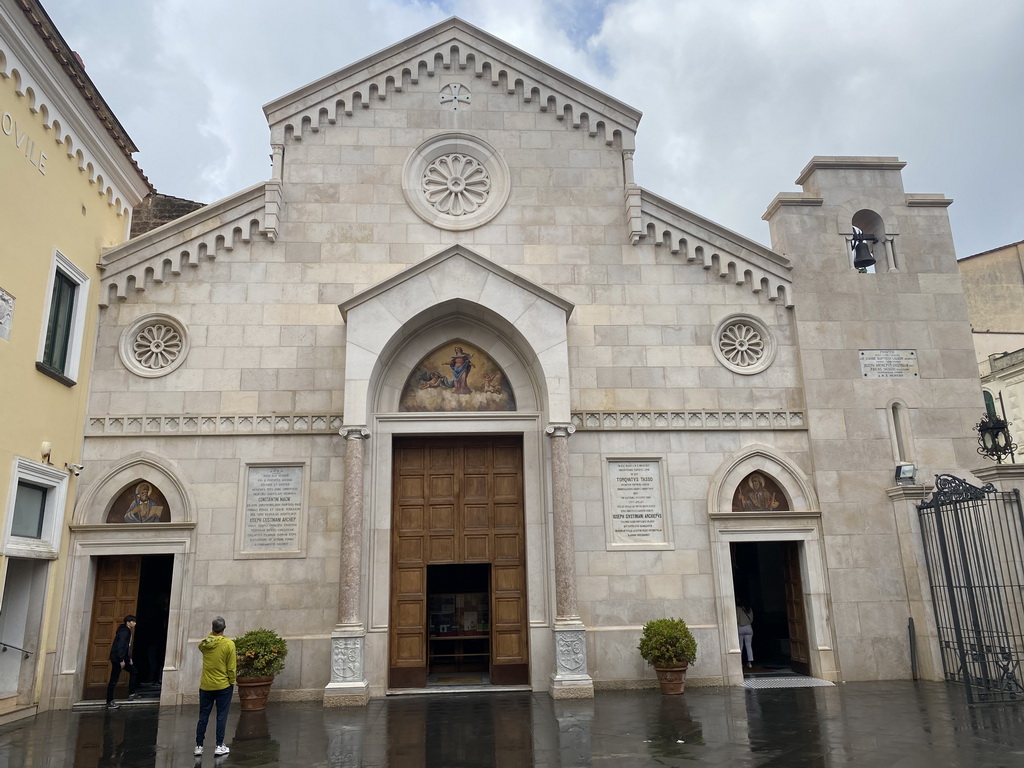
column 737, row 95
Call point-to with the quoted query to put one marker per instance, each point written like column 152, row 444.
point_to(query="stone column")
column 570, row 679
column 348, row 686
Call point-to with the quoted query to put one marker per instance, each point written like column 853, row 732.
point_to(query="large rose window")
column 455, row 181
column 744, row 344
column 456, row 184
column 154, row 345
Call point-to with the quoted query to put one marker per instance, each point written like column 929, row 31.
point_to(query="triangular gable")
column 381, row 317
column 450, row 46
column 452, row 253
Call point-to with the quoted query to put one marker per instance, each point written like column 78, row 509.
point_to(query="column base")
column 571, row 689
column 347, row 694
column 570, row 679
column 348, row 686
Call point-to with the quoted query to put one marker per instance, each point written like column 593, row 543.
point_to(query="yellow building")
column 68, row 185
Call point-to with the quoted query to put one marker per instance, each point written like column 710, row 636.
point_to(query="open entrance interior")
column 129, row 584
column 766, row 579
column 459, row 635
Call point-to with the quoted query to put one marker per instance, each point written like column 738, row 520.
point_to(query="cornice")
column 756, row 419
column 458, row 47
column 213, row 425
column 792, row 200
column 919, row 200
column 852, row 163
column 731, row 256
column 45, row 71
column 188, row 241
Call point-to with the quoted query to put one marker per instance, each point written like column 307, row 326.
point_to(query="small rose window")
column 743, row 344
column 154, row 345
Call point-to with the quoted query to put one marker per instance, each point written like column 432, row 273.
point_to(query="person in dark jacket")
column 121, row 659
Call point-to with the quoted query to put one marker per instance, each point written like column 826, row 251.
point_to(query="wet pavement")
column 900, row 724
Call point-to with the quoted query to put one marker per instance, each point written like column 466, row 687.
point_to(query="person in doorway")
column 745, row 620
column 216, row 684
column 121, row 659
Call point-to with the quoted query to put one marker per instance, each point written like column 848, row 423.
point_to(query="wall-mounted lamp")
column 45, row 450
column 906, row 473
column 994, row 440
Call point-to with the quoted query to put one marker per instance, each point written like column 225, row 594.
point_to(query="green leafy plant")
column 667, row 641
column 260, row 653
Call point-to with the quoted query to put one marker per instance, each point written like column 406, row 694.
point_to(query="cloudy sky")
column 737, row 95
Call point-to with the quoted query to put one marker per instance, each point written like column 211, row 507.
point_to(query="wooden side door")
column 796, row 613
column 116, row 595
column 407, row 662
column 509, row 646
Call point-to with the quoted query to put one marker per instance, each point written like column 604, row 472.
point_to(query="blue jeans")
column 207, row 699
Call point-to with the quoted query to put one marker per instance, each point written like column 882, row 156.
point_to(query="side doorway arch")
column 118, row 564
column 769, row 551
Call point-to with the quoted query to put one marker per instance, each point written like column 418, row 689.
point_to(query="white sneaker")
column 198, row 751
column 221, row 750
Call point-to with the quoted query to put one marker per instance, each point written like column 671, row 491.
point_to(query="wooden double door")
column 458, row 501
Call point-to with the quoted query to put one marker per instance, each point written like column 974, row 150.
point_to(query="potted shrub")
column 669, row 647
column 260, row 655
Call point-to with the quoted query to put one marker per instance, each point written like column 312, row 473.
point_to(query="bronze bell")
column 862, row 258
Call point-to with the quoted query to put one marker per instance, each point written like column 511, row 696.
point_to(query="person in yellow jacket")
column 216, row 684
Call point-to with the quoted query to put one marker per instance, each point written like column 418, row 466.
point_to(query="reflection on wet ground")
column 859, row 724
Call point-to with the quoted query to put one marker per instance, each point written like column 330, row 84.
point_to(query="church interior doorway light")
column 766, row 578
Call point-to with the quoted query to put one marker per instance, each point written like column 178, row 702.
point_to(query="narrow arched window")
column 899, row 427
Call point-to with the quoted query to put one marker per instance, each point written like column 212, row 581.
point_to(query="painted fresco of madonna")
column 457, row 377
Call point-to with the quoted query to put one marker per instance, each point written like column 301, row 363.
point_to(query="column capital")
column 559, row 430
column 354, row 432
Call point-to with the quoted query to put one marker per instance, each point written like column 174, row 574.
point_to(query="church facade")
column 452, row 400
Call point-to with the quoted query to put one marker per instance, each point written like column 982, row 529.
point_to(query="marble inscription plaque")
column 637, row 515
column 888, row 363
column 273, row 504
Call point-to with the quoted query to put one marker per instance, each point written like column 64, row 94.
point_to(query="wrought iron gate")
column 974, row 548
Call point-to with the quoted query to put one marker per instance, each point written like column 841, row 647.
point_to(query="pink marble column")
column 565, row 539
column 352, row 526
column 570, row 678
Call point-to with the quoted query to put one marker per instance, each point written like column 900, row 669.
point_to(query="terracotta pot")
column 672, row 677
column 253, row 692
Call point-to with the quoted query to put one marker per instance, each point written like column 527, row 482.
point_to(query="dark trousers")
column 207, row 699
column 115, row 673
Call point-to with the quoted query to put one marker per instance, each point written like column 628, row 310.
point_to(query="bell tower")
column 890, row 380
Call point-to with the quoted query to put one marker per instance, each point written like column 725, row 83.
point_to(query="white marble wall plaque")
column 636, row 515
column 888, row 363
column 273, row 509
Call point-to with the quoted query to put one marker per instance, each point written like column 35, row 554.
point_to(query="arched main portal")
column 457, row 299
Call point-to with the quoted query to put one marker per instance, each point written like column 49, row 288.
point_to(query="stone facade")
column 454, row 190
